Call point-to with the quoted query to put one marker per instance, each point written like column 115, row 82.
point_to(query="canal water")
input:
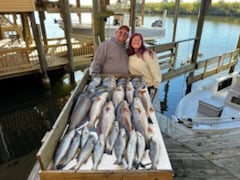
column 28, row 110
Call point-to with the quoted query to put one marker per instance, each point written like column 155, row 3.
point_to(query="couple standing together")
column 112, row 57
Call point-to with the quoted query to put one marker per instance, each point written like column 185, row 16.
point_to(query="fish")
column 107, row 119
column 85, row 152
column 92, row 85
column 63, row 148
column 96, row 109
column 75, row 144
column 120, row 146
column 101, row 89
column 124, row 116
column 70, row 165
column 109, row 81
column 129, row 92
column 122, row 81
column 141, row 144
column 137, row 82
column 140, row 120
column 111, row 139
column 80, row 110
column 146, row 99
column 98, row 151
column 131, row 148
column 84, row 136
column 154, row 151
column 118, row 95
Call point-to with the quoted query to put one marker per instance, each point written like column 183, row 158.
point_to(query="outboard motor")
column 157, row 23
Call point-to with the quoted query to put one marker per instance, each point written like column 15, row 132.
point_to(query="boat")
column 214, row 106
column 80, row 30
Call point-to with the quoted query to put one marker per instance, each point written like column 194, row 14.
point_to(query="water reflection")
column 28, row 110
column 163, row 103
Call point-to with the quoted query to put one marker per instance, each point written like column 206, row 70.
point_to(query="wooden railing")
column 16, row 61
column 19, row 60
column 167, row 57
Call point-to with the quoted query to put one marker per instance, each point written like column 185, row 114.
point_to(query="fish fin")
column 150, row 120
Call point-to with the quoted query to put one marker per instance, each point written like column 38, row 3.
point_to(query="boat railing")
column 209, row 121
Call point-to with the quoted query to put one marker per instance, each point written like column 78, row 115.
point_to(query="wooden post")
column 132, row 16
column 43, row 29
column 41, row 53
column 205, row 4
column 98, row 23
column 175, row 19
column 67, row 29
column 237, row 47
column 142, row 12
column 78, row 4
column 1, row 32
column 27, row 37
column 238, row 43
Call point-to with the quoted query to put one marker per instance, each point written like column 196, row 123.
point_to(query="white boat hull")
column 80, row 31
column 209, row 109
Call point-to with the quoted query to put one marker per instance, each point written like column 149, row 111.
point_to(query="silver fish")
column 73, row 148
column 140, row 120
column 107, row 119
column 98, row 151
column 80, row 110
column 120, row 145
column 118, row 95
column 109, row 81
column 124, row 116
column 111, row 139
column 129, row 92
column 137, row 82
column 96, row 109
column 131, row 148
column 63, row 147
column 92, row 85
column 85, row 152
column 70, row 165
column 146, row 99
column 122, row 81
column 141, row 144
column 154, row 151
column 84, row 136
column 101, row 89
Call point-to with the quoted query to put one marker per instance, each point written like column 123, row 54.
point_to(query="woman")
column 143, row 62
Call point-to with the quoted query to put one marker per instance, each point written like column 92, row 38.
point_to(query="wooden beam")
column 205, row 4
column 133, row 16
column 67, row 29
column 41, row 52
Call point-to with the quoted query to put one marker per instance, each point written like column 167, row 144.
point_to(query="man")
column 111, row 56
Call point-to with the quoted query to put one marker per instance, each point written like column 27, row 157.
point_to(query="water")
column 27, row 110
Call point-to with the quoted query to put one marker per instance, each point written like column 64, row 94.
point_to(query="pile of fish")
column 112, row 116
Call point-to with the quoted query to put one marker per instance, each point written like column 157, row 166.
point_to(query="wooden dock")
column 18, row 60
column 200, row 156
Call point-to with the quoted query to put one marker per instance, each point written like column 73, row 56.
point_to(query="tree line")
column 217, row 9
